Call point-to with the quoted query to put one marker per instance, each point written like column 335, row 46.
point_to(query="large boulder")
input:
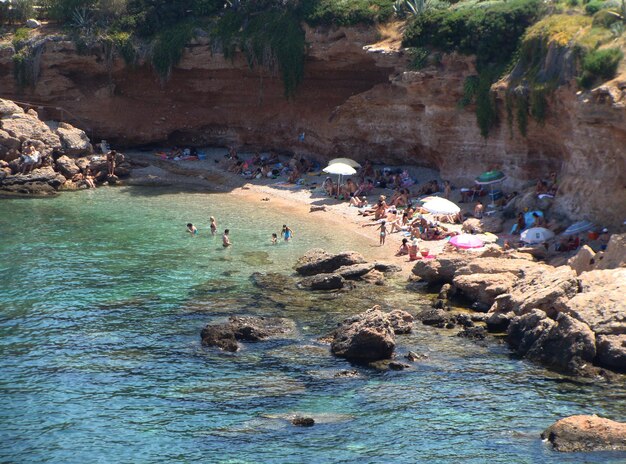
column 493, row 224
column 366, row 337
column 244, row 328
column 74, row 141
column 318, row 262
column 67, row 167
column 566, row 344
column 586, row 433
column 323, row 282
column 611, row 351
column 9, row 146
column 7, row 108
column 401, row 321
column 354, row 271
column 43, row 181
column 434, row 316
column 583, row 260
column 442, row 269
column 541, row 287
column 615, row 254
column 28, row 127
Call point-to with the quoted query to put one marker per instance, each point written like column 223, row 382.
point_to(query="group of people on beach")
column 286, row 233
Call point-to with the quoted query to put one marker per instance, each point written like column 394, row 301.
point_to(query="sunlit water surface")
column 102, row 299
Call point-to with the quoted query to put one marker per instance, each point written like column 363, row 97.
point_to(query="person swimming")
column 287, row 233
column 192, row 229
column 226, row 239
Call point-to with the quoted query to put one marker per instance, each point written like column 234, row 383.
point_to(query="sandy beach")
column 294, row 199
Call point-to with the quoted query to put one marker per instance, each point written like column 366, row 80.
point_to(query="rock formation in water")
column 565, row 320
column 586, row 433
column 357, row 98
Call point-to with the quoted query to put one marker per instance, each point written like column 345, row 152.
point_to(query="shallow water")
column 103, row 296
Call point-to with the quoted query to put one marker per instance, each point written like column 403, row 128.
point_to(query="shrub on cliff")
column 347, row 12
column 600, row 65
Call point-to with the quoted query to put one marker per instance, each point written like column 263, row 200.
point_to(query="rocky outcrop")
column 366, row 337
column 323, row 282
column 401, row 321
column 586, row 433
column 44, row 181
column 73, row 141
column 493, row 224
column 67, row 167
column 244, row 328
column 556, row 316
column 318, row 261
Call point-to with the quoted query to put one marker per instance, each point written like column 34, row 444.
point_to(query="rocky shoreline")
column 66, row 155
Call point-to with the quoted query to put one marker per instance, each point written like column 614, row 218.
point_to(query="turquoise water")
column 102, row 299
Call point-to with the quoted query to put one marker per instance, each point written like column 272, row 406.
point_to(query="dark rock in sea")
column 374, row 277
column 387, row 268
column 586, row 433
column 303, row 421
column 323, row 282
column 479, row 317
column 499, row 321
column 474, row 333
column 221, row 336
column 612, row 351
column 464, row 320
column 318, row 261
column 112, row 179
column 413, row 356
column 401, row 321
column 354, row 271
column 450, row 325
column 347, row 374
column 272, row 281
column 440, row 304
column 566, row 344
column 388, row 365
column 244, row 328
column 435, row 317
column 366, row 337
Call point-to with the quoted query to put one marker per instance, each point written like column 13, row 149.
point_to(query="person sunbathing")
column 365, row 188
column 358, row 202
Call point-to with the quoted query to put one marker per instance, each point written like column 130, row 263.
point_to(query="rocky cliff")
column 358, row 99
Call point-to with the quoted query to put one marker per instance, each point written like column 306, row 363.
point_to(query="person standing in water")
column 383, row 232
column 226, row 239
column 287, row 233
column 192, row 229
column 274, row 239
column 213, row 225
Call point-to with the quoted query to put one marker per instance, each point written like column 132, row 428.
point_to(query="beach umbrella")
column 348, row 161
column 340, row 169
column 466, row 241
column 536, row 235
column 441, row 206
column 579, row 228
column 490, row 178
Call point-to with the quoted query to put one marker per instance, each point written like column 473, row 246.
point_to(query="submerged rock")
column 303, row 421
column 586, row 433
column 244, row 328
column 366, row 337
column 434, row 316
column 401, row 321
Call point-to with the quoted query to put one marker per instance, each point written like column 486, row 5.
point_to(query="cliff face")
column 353, row 102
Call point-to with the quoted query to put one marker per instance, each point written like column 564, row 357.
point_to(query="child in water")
column 213, row 225
column 225, row 239
column 288, row 233
column 274, row 239
column 192, row 229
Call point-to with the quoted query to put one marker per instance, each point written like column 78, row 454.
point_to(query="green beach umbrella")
column 490, row 178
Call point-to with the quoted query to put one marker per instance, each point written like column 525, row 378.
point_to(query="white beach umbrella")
column 340, row 169
column 348, row 161
column 536, row 235
column 441, row 206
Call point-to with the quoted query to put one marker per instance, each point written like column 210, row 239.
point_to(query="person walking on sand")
column 383, row 232
column 226, row 239
column 288, row 233
column 192, row 229
column 213, row 225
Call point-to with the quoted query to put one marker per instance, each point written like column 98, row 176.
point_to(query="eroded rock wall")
column 354, row 101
